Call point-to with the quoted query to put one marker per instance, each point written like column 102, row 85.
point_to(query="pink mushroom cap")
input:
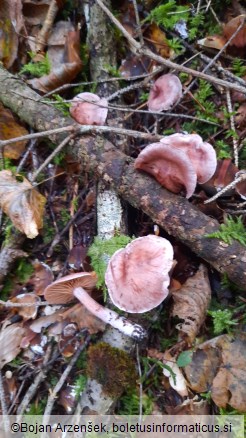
column 89, row 109
column 137, row 276
column 166, row 91
column 170, row 166
column 201, row 154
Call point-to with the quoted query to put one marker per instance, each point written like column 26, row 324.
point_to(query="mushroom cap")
column 89, row 109
column 166, row 91
column 201, row 154
column 137, row 275
column 61, row 290
column 170, row 166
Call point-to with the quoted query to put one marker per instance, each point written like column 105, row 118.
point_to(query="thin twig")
column 140, row 385
column 69, row 128
column 34, row 386
column 147, row 52
column 213, row 61
column 240, row 176
column 62, row 380
column 51, row 156
column 139, row 30
column 42, row 36
column 58, row 236
column 78, row 84
column 6, row 421
column 233, row 128
column 11, row 305
column 24, row 158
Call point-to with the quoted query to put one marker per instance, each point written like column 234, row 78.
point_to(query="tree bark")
column 172, row 212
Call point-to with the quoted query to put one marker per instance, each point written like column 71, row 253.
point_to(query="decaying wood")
column 173, row 213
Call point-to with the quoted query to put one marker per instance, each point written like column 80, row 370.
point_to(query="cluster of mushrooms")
column 137, row 278
column 179, row 161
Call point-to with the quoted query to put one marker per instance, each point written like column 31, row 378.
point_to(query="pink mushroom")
column 137, row 276
column 89, row 109
column 201, row 154
column 166, row 91
column 171, row 167
column 77, row 285
column 179, row 161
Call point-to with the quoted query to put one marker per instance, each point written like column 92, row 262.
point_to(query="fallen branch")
column 173, row 213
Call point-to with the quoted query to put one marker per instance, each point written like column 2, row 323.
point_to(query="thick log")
column 173, row 213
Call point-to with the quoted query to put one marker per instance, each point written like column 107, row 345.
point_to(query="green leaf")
column 184, row 358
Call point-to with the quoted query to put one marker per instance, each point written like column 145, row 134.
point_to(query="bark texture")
column 173, row 213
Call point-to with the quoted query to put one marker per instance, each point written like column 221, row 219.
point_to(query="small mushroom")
column 89, row 109
column 76, row 285
column 179, row 161
column 137, row 276
column 166, row 91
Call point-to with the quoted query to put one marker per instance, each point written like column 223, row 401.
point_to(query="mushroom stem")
column 108, row 316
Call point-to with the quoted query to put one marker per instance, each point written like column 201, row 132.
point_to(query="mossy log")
column 173, row 213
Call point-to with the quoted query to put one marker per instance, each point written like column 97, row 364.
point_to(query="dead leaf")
column 203, row 368
column 27, row 312
column 41, row 277
column 240, row 117
column 35, row 12
column 10, row 340
column 134, row 65
column 176, row 378
column 67, row 399
column 65, row 60
column 229, row 385
column 68, row 343
column 219, row 365
column 11, row 23
column 9, row 128
column 46, row 321
column 79, row 315
column 191, row 303
column 22, row 203
column 175, row 375
column 157, row 37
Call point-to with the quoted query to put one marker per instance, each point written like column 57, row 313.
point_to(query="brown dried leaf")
column 79, row 315
column 155, row 36
column 229, row 385
column 220, row 364
column 203, row 368
column 191, row 303
column 65, row 61
column 27, row 312
column 11, row 23
column 9, row 128
column 35, row 12
column 10, row 339
column 22, row 203
column 41, row 277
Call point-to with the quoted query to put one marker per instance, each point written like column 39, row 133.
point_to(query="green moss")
column 232, row 229
column 101, row 251
column 112, row 368
column 37, row 69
